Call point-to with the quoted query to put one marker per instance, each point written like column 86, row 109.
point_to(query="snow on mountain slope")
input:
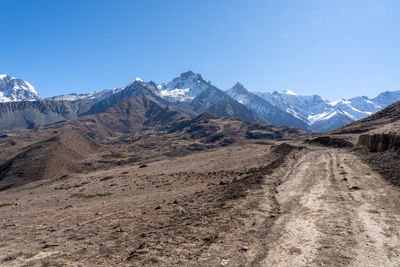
column 184, row 88
column 323, row 115
column 176, row 95
column 13, row 89
column 190, row 92
column 357, row 108
column 273, row 114
column 74, row 96
column 220, row 103
column 301, row 106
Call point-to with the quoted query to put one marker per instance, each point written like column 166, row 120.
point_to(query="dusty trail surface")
column 334, row 211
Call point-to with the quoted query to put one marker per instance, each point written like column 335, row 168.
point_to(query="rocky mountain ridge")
column 190, row 94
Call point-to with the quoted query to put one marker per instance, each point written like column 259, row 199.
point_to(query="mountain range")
column 21, row 105
column 318, row 113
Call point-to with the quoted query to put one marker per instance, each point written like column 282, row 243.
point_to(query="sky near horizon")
column 337, row 49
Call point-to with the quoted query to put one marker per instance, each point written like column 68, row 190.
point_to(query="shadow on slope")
column 51, row 158
column 128, row 117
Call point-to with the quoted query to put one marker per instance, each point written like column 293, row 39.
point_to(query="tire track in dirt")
column 334, row 212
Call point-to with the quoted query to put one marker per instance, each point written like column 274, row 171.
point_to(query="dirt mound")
column 284, row 149
column 330, row 141
column 50, row 158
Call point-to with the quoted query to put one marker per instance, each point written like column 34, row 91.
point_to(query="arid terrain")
column 202, row 191
column 200, row 133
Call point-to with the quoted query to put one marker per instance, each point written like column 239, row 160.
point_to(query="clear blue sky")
column 332, row 48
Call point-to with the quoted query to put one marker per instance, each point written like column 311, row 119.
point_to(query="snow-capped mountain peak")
column 323, row 115
column 288, row 92
column 340, row 101
column 13, row 89
column 184, row 88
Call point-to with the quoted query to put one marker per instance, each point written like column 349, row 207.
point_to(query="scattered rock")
column 52, row 229
column 181, row 210
column 354, row 187
column 49, row 246
column 157, row 208
column 244, row 248
column 224, row 262
column 106, row 178
column 272, row 215
column 143, row 166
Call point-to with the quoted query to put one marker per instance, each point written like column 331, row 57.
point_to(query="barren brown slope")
column 135, row 130
column 128, row 117
column 204, row 132
column 51, row 158
column 182, row 211
column 208, row 124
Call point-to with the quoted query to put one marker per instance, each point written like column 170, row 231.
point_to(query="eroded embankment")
column 382, row 153
column 379, row 142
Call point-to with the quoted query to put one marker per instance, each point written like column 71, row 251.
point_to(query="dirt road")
column 334, row 211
